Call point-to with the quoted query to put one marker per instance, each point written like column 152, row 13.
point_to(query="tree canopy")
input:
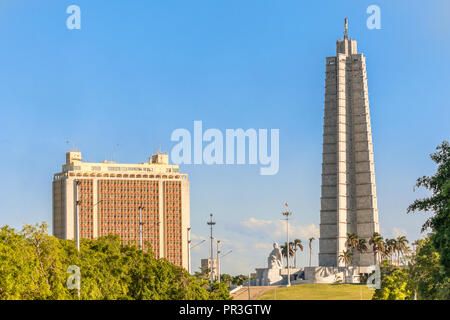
column 426, row 275
column 34, row 265
column 438, row 203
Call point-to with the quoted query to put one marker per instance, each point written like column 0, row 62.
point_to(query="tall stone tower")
column 349, row 201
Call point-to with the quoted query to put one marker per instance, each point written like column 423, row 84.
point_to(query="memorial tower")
column 348, row 201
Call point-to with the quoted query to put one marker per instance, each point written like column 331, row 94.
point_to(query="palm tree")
column 284, row 250
column 346, row 257
column 310, row 249
column 352, row 241
column 362, row 245
column 402, row 246
column 297, row 245
column 377, row 245
column 361, row 248
column 390, row 248
column 387, row 249
column 291, row 252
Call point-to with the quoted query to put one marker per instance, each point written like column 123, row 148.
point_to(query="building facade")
column 211, row 265
column 117, row 198
column 349, row 201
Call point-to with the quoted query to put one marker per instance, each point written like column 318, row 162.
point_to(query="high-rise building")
column 349, row 201
column 113, row 197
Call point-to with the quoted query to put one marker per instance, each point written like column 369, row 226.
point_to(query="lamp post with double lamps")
column 287, row 213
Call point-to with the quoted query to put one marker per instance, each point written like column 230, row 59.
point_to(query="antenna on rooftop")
column 160, row 150
column 73, row 149
column 113, row 154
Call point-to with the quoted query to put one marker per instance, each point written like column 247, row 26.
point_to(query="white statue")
column 275, row 258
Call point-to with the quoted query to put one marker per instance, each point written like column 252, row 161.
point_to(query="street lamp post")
column 225, row 254
column 211, row 223
column 77, row 214
column 197, row 244
column 192, row 247
column 218, row 260
column 77, row 220
column 287, row 213
column 141, row 245
column 218, row 263
column 189, row 249
column 249, row 276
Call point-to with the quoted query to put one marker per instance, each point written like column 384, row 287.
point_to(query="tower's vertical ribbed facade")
column 349, row 201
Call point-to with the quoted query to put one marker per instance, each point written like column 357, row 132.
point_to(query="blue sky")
column 138, row 70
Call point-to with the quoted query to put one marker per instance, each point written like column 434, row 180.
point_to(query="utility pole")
column 287, row 213
column 192, row 247
column 157, row 226
column 77, row 221
column 77, row 214
column 77, row 218
column 211, row 223
column 218, row 263
column 249, row 275
column 141, row 244
column 219, row 258
column 189, row 249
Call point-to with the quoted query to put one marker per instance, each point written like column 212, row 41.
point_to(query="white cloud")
column 276, row 229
